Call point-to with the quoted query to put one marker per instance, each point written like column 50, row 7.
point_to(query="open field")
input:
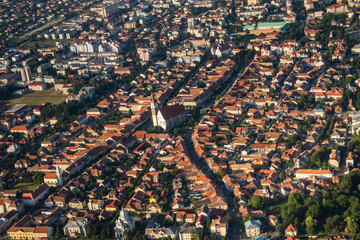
column 38, row 98
column 26, row 186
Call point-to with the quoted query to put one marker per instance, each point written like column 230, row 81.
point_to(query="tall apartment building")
column 26, row 75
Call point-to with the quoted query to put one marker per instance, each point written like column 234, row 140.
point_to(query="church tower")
column 59, row 176
column 154, row 110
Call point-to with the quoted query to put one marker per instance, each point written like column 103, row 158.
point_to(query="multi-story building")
column 26, row 228
column 36, row 86
column 252, row 228
column 26, row 75
column 33, row 197
column 85, row 47
column 145, row 54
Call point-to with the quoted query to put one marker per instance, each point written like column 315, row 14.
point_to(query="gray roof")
column 252, row 224
column 16, row 108
column 187, row 230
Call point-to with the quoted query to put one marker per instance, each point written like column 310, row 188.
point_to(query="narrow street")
column 200, row 164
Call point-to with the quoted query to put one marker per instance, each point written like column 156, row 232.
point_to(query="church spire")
column 59, row 176
column 154, row 110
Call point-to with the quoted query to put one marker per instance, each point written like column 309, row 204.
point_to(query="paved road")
column 200, row 164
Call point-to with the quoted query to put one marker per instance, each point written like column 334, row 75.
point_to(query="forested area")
column 336, row 209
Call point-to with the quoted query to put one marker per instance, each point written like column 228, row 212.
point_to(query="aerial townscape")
column 180, row 119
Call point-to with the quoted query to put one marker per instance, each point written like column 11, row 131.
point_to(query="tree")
column 282, row 176
column 247, row 218
column 256, row 202
column 313, row 211
column 229, row 216
column 38, row 177
column 320, row 157
column 200, row 84
column 103, row 234
column 195, row 235
column 222, row 172
column 290, row 163
column 342, row 200
column 332, row 224
column 328, row 203
column 357, row 103
column 310, row 225
column 351, row 226
column 176, row 131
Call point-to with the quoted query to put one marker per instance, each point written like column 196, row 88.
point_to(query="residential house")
column 252, row 228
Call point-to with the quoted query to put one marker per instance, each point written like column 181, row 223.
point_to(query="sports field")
column 38, row 98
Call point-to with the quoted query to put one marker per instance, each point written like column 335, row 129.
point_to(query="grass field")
column 38, row 98
column 26, row 186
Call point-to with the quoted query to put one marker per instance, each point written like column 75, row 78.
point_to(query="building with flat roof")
column 16, row 109
column 273, row 25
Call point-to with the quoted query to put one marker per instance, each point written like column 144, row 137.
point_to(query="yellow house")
column 111, row 205
column 154, row 208
column 77, row 203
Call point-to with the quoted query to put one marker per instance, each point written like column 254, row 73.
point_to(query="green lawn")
column 26, row 186
column 38, row 98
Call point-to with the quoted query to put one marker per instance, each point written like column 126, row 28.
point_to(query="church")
column 167, row 117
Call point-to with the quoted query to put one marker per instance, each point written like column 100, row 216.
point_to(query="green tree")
column 247, row 218
column 333, row 224
column 38, row 177
column 310, row 225
column 195, row 235
column 103, row 234
column 313, row 211
column 342, row 200
column 352, row 226
column 256, row 202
